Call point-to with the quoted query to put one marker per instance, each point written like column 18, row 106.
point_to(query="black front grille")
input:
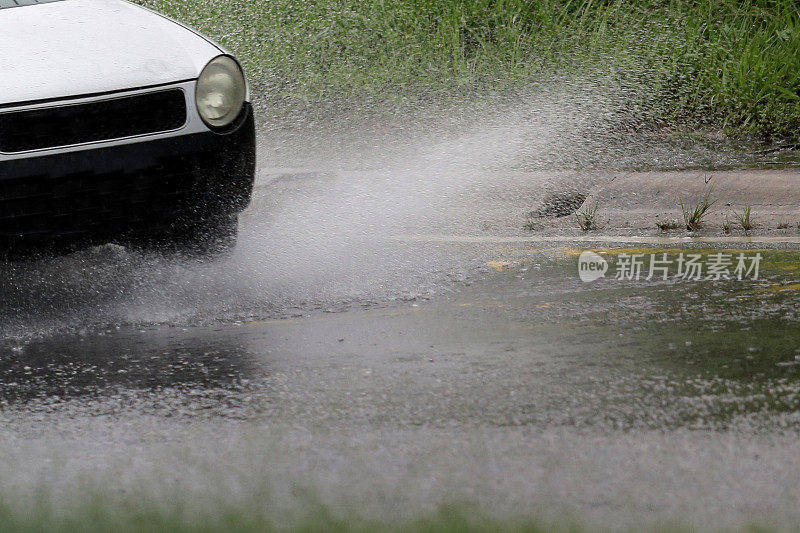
column 51, row 127
column 86, row 207
column 93, row 203
column 120, row 193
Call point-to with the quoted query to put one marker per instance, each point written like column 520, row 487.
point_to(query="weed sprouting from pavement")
column 533, row 225
column 666, row 225
column 587, row 217
column 726, row 226
column 744, row 219
column 694, row 213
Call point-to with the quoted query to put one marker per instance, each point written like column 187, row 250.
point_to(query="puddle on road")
column 519, row 383
column 88, row 365
column 656, row 354
column 546, row 349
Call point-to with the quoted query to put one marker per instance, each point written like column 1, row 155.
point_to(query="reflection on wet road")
column 65, row 367
column 531, row 334
column 521, row 385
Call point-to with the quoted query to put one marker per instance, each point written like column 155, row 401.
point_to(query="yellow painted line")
column 624, row 239
column 500, row 266
column 571, row 251
column 783, row 288
column 264, row 322
column 616, row 251
column 484, row 303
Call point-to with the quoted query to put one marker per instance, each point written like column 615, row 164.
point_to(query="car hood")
column 81, row 47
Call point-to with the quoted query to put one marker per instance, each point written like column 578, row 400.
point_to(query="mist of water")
column 331, row 196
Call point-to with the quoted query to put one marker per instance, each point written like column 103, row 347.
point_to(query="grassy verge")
column 99, row 519
column 717, row 62
column 446, row 520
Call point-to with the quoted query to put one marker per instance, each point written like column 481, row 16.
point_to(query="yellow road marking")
column 500, row 266
column 783, row 288
column 624, row 239
column 652, row 250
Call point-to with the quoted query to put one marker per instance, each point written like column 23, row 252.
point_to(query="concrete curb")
column 639, row 199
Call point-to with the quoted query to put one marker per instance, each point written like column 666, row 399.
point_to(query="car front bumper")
column 109, row 194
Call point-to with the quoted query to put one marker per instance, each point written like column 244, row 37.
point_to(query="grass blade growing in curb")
column 587, row 218
column 666, row 225
column 693, row 214
column 744, row 219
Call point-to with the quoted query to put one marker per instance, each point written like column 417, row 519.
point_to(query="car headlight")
column 221, row 91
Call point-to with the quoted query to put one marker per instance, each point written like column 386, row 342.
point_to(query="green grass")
column 744, row 220
column 587, row 217
column 667, row 225
column 734, row 65
column 694, row 213
column 449, row 519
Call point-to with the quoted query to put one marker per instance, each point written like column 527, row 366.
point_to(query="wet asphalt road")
column 478, row 373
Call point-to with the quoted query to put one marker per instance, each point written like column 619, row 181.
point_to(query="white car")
column 118, row 124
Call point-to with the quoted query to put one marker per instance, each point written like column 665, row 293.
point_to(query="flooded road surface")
column 504, row 383
column 407, row 333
